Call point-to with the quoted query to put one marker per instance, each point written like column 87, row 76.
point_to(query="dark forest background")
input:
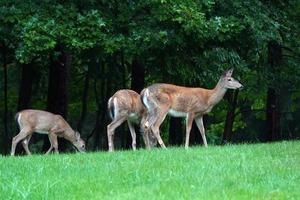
column 69, row 57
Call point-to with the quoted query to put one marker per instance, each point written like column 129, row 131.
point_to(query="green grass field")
column 256, row 171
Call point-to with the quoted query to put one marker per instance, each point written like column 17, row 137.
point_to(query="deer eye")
column 229, row 79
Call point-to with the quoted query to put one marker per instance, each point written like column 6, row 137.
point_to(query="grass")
column 256, row 171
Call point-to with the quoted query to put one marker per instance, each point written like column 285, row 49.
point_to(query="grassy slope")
column 261, row 171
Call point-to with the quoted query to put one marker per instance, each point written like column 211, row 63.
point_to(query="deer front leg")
column 53, row 143
column 25, row 144
column 189, row 123
column 133, row 134
column 199, row 122
column 23, row 134
column 111, row 131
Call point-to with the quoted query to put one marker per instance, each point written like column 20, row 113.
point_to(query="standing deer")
column 126, row 105
column 191, row 103
column 43, row 122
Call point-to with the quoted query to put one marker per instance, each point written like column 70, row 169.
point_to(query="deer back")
column 125, row 102
column 178, row 98
column 41, row 121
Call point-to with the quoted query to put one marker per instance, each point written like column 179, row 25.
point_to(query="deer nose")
column 241, row 87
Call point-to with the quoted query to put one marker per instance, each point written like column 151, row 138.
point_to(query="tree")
column 5, row 115
column 132, row 44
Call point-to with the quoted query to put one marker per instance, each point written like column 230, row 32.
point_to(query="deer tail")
column 110, row 108
column 144, row 97
column 18, row 118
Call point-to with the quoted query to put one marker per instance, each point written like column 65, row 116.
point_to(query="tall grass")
column 257, row 171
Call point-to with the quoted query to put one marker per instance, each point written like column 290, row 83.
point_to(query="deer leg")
column 146, row 139
column 25, row 144
column 151, row 118
column 53, row 143
column 133, row 134
column 189, row 123
column 111, row 131
column 50, row 149
column 199, row 122
column 152, row 139
column 22, row 134
column 144, row 132
column 155, row 128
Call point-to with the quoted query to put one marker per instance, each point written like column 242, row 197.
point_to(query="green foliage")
column 183, row 42
column 229, row 172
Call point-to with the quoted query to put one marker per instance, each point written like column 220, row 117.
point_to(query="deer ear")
column 228, row 73
column 77, row 135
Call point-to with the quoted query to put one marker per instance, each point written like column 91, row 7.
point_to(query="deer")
column 44, row 122
column 125, row 105
column 162, row 99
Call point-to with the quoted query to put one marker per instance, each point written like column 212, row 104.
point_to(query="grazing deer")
column 126, row 105
column 43, row 122
column 191, row 103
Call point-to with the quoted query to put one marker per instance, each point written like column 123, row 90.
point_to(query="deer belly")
column 133, row 117
column 41, row 131
column 175, row 113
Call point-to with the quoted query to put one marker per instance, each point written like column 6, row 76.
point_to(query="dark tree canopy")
column 69, row 57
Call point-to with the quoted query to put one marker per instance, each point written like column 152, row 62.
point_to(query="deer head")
column 228, row 82
column 79, row 143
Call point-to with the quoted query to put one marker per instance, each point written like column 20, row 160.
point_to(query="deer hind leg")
column 25, row 144
column 111, row 130
column 199, row 122
column 151, row 118
column 144, row 133
column 146, row 139
column 189, row 123
column 133, row 134
column 22, row 134
column 149, row 139
column 159, row 118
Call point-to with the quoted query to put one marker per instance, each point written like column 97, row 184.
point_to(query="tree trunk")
column 25, row 93
column 57, row 102
column 84, row 101
column 26, row 84
column 137, row 84
column 195, row 136
column 96, row 132
column 272, row 107
column 227, row 134
column 175, row 131
column 6, row 141
column 137, row 76
column 272, row 114
column 100, row 136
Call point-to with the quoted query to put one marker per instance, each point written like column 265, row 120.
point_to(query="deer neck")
column 217, row 94
column 69, row 135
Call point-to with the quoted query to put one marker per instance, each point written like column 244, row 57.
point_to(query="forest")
column 69, row 57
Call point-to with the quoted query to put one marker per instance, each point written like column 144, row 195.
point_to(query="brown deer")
column 43, row 122
column 191, row 103
column 126, row 105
